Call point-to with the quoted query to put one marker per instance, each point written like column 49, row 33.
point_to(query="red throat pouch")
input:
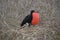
column 35, row 18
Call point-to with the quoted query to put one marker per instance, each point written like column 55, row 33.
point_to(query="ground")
column 12, row 12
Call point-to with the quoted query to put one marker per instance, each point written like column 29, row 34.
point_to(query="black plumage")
column 27, row 19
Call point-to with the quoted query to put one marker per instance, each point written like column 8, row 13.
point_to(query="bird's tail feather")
column 23, row 23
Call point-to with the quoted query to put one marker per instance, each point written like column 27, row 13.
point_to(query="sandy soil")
column 12, row 12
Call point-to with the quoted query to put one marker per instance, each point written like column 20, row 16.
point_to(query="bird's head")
column 32, row 11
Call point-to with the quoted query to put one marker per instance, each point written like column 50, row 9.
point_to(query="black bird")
column 27, row 19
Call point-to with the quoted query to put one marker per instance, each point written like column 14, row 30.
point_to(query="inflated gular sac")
column 35, row 18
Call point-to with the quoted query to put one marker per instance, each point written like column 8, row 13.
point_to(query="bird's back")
column 27, row 19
